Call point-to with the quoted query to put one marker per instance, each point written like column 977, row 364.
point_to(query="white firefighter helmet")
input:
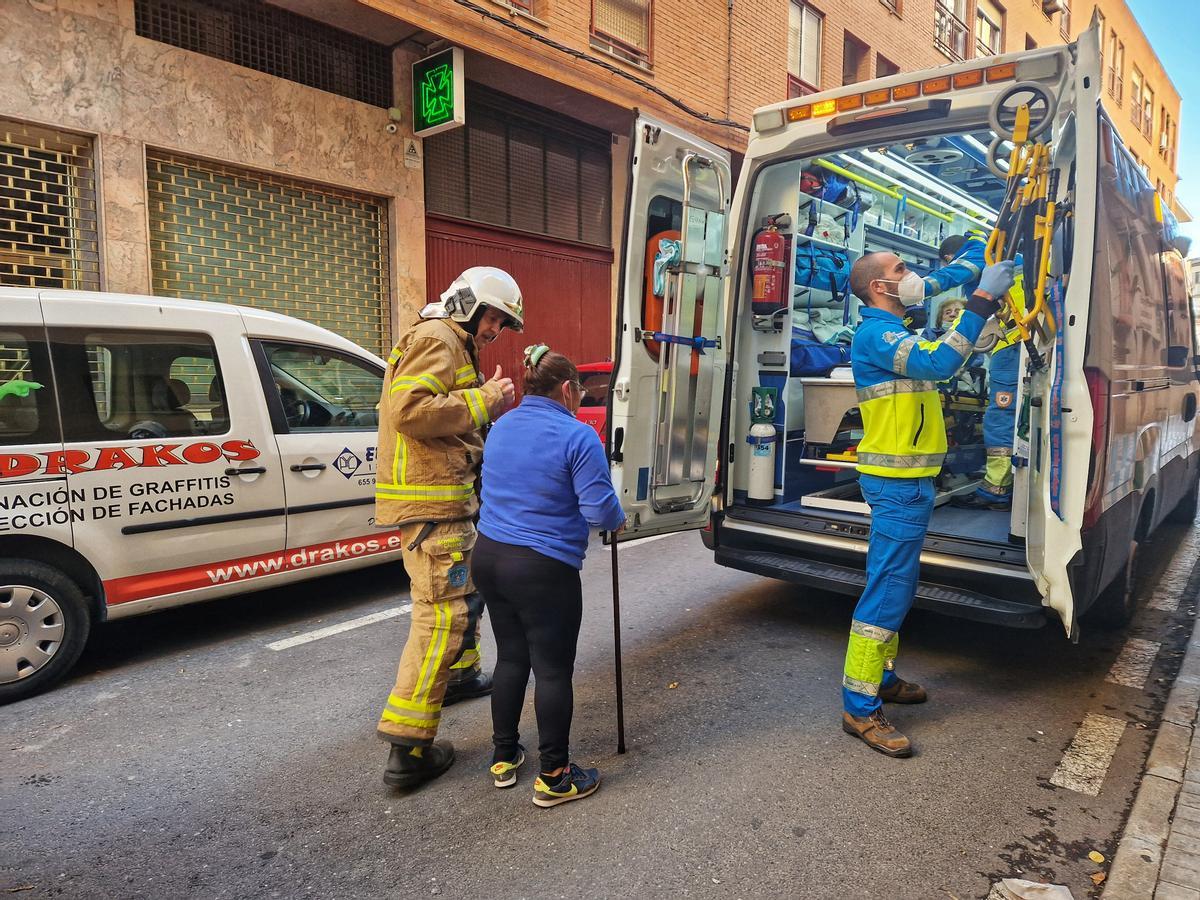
column 480, row 285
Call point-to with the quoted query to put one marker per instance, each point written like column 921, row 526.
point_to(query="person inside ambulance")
column 433, row 413
column 904, row 442
column 964, row 257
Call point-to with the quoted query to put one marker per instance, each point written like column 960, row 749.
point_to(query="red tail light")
column 1099, row 391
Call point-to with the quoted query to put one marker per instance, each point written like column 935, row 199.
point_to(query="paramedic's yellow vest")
column 1013, row 335
column 904, row 434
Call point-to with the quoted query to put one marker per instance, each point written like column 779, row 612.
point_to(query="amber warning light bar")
column 772, row 119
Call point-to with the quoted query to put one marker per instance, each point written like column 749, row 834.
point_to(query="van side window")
column 27, row 413
column 324, row 390
column 141, row 385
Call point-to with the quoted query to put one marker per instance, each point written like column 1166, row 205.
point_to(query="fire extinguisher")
column 763, row 439
column 771, row 249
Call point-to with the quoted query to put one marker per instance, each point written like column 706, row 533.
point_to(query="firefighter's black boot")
column 408, row 767
column 478, row 685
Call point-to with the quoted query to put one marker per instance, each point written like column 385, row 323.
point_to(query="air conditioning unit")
column 1050, row 7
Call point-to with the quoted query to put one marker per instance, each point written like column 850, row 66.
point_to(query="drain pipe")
column 728, row 58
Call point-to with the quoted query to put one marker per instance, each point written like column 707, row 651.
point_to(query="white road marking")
column 1169, row 590
column 1086, row 761
column 327, row 631
column 1133, row 665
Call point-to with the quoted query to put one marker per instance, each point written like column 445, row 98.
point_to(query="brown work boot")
column 878, row 733
column 902, row 691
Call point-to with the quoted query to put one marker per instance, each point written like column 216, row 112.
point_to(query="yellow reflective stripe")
column 861, row 687
column 396, row 356
column 431, row 491
column 410, row 706
column 958, row 343
column 465, row 375
column 866, row 659
column 469, row 659
column 477, row 406
column 433, row 653
column 903, row 351
column 426, row 724
column 428, row 379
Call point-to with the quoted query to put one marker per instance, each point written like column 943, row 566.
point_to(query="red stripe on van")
column 247, row 568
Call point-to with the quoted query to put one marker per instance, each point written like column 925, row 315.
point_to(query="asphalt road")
column 185, row 758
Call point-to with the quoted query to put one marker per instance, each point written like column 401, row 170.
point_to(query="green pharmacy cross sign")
column 437, row 83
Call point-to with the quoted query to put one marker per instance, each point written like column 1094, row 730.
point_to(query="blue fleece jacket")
column 545, row 480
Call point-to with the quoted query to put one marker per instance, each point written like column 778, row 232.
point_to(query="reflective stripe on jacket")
column 896, row 376
column 431, row 417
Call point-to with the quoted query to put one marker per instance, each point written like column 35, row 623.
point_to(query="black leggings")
column 535, row 605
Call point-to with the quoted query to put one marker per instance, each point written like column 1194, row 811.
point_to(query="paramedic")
column 964, row 258
column 903, row 444
column 432, row 418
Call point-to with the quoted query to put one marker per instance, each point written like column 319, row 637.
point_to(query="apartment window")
column 262, row 37
column 1064, row 21
column 950, row 32
column 893, row 5
column 1164, row 135
column 623, row 28
column 1148, row 112
column 1101, row 20
column 804, row 49
column 885, row 67
column 856, row 60
column 989, row 29
column 1135, row 98
column 1116, row 69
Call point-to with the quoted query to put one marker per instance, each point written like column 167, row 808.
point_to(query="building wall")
column 690, row 57
column 79, row 65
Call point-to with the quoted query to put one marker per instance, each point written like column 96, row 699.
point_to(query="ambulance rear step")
column 953, row 601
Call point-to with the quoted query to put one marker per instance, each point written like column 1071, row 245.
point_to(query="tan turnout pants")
column 443, row 634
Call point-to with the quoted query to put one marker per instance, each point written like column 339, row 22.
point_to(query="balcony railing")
column 950, row 33
column 982, row 48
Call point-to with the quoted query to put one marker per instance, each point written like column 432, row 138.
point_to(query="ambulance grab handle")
column 253, row 470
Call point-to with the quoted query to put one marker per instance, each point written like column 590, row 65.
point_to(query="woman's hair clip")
column 534, row 354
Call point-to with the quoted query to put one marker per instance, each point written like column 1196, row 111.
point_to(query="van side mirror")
column 1177, row 356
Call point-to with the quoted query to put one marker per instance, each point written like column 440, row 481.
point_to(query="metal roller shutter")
column 256, row 239
column 47, row 208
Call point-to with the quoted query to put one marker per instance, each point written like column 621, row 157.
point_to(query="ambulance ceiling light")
column 884, row 158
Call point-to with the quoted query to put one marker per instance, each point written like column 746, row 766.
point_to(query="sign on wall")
column 438, row 98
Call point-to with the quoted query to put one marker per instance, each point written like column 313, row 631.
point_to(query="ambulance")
column 733, row 406
column 158, row 452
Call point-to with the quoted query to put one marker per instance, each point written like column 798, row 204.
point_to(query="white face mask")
column 909, row 290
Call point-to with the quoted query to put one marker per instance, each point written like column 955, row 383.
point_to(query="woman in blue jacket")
column 545, row 481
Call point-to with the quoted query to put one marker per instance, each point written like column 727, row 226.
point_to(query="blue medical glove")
column 998, row 278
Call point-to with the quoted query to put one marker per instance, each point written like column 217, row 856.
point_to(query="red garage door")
column 567, row 288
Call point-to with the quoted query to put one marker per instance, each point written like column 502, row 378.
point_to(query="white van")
column 157, row 452
column 1106, row 444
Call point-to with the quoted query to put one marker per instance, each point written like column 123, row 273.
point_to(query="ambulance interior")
column 792, row 353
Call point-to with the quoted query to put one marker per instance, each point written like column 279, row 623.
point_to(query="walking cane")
column 616, row 594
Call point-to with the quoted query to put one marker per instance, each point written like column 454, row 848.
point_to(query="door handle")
column 253, row 470
column 308, row 467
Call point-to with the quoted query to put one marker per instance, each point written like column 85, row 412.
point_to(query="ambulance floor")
column 990, row 525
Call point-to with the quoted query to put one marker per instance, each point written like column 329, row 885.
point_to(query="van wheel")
column 1115, row 605
column 44, row 623
column 1185, row 510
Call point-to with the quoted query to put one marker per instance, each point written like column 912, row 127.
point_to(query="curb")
column 1138, row 864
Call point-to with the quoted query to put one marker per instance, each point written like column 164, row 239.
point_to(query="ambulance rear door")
column 167, row 447
column 1059, row 434
column 669, row 367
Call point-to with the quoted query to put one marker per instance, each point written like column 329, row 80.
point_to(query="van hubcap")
column 31, row 631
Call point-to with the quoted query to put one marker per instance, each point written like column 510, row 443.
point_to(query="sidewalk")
column 1159, row 853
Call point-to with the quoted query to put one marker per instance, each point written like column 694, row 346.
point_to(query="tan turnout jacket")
column 431, row 416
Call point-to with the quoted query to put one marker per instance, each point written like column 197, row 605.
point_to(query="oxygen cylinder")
column 762, row 440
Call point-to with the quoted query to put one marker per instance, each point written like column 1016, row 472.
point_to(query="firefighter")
column 903, row 444
column 433, row 413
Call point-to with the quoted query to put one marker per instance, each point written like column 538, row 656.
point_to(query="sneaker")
column 573, row 784
column 478, row 685
column 505, row 773
column 901, row 691
column 406, row 770
column 877, row 733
